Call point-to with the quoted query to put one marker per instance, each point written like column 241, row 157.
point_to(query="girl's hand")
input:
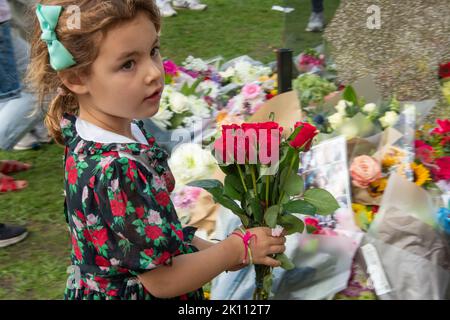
column 238, row 267
column 262, row 247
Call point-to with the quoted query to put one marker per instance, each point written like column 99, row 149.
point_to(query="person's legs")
column 9, row 77
column 16, row 114
column 316, row 20
column 16, row 120
column 317, row 6
column 165, row 7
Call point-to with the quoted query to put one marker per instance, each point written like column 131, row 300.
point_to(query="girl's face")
column 127, row 78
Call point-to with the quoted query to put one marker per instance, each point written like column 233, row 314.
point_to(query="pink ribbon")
column 246, row 239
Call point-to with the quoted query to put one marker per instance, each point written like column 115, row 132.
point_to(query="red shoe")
column 10, row 166
column 8, row 184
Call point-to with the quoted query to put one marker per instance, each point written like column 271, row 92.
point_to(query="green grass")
column 35, row 268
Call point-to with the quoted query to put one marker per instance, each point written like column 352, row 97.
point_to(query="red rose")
column 179, row 233
column 162, row 259
column 313, row 223
column 70, row 163
column 162, row 198
column 113, row 293
column 118, row 208
column 445, row 140
column 102, row 262
column 76, row 249
column 170, row 180
column 92, row 182
column 272, row 131
column 443, row 127
column 87, row 235
column 260, row 137
column 113, row 154
column 73, row 176
column 140, row 212
column 153, row 232
column 103, row 283
column 424, row 152
column 131, row 170
column 80, row 215
column 305, row 136
column 99, row 237
column 149, row 252
column 444, row 70
column 443, row 173
column 220, row 145
column 252, row 135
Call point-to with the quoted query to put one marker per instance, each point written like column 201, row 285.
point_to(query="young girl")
column 127, row 240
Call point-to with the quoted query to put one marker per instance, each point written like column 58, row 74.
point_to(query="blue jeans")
column 9, row 77
column 16, row 107
column 317, row 6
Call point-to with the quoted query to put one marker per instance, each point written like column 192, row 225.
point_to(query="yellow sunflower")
column 377, row 187
column 421, row 174
column 388, row 161
column 392, row 156
column 358, row 207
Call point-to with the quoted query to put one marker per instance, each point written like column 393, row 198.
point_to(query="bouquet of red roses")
column 262, row 186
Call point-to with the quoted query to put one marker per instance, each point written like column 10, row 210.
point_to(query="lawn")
column 36, row 267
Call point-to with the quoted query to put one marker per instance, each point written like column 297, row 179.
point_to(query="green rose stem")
column 252, row 168
column 261, row 272
column 284, row 182
column 267, row 191
column 242, row 177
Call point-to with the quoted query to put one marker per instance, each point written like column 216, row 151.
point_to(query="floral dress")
column 121, row 220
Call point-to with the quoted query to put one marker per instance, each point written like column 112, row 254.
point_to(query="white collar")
column 90, row 132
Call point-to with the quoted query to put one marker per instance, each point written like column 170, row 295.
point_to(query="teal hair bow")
column 60, row 57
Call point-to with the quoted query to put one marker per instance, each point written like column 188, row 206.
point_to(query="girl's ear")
column 74, row 82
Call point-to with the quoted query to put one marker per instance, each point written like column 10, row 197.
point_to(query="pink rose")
column 364, row 170
column 277, row 231
column 187, row 197
column 170, row 68
column 251, row 91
